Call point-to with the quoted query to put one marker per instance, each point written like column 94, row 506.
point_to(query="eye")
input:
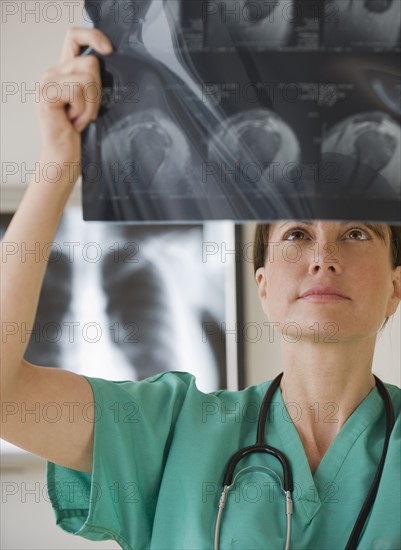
column 357, row 234
column 295, row 234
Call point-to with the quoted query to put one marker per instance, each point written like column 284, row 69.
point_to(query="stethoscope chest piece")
column 287, row 486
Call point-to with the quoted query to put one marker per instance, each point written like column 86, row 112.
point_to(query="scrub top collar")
column 310, row 500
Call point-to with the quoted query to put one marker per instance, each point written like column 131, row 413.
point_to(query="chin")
column 317, row 329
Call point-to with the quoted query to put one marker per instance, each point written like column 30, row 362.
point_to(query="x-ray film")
column 117, row 304
column 246, row 110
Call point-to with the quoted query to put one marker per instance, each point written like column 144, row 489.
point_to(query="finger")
column 86, row 106
column 78, row 37
column 84, row 72
column 82, row 121
column 77, row 105
column 87, row 64
column 77, row 96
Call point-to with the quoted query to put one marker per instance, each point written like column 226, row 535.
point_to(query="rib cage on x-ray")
column 128, row 302
column 198, row 121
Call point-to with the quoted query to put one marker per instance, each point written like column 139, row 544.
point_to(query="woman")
column 143, row 463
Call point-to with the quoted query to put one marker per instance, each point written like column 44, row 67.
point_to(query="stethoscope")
column 287, row 485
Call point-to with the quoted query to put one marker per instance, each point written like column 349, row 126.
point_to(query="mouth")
column 320, row 294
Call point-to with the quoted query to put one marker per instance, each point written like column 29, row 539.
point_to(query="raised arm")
column 26, row 387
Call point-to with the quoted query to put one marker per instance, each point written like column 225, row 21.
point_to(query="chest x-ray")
column 246, row 110
column 123, row 302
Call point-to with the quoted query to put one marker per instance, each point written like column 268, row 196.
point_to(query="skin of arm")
column 25, row 386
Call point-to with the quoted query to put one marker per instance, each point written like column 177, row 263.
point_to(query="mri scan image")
column 387, row 88
column 122, row 19
column 249, row 24
column 363, row 24
column 255, row 141
column 163, row 153
column 366, row 150
column 245, row 110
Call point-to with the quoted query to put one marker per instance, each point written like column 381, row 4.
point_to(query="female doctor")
column 144, row 463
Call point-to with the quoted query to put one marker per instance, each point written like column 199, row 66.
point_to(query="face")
column 328, row 279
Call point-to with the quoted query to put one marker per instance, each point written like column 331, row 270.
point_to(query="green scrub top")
column 161, row 449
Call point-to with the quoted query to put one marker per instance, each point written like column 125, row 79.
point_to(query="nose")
column 324, row 257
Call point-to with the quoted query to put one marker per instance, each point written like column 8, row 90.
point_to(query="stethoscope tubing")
column 261, row 447
column 367, row 505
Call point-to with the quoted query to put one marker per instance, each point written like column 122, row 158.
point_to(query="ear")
column 260, row 277
column 396, row 294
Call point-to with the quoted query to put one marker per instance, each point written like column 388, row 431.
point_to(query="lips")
column 323, row 293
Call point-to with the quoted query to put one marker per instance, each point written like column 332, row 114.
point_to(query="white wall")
column 27, row 518
column 30, row 44
column 263, row 358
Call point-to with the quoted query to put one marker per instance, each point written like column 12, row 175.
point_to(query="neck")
column 338, row 372
column 324, row 383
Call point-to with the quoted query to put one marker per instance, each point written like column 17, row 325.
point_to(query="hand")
column 71, row 96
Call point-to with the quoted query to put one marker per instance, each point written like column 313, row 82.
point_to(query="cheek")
column 373, row 290
column 371, row 279
column 280, row 285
